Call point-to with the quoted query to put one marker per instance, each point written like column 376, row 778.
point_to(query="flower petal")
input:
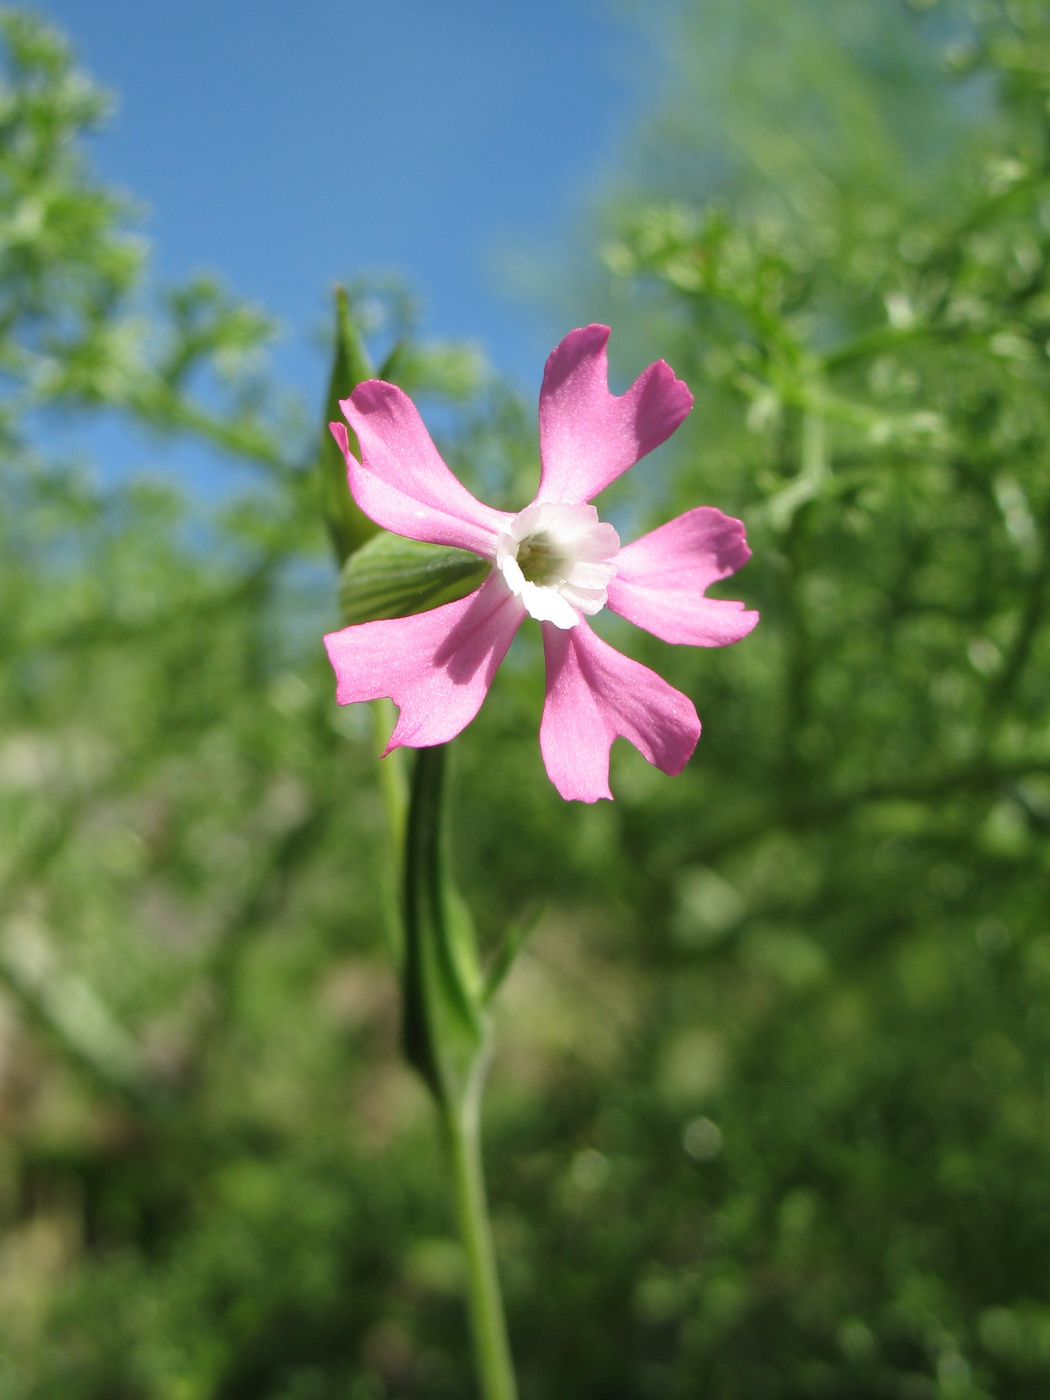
column 436, row 666
column 595, row 694
column 661, row 578
column 589, row 436
column 401, row 482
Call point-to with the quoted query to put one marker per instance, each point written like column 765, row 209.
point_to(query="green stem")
column 393, row 788
column 488, row 1326
column 393, row 785
column 446, row 1039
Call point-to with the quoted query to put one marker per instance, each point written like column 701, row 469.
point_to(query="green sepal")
column 511, row 944
column 347, row 523
column 445, row 1030
column 389, row 576
column 390, row 369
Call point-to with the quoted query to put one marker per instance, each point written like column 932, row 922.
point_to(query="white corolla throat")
column 559, row 560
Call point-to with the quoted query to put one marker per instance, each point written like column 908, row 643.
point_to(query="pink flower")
column 554, row 560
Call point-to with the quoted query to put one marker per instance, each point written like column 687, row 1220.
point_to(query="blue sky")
column 289, row 145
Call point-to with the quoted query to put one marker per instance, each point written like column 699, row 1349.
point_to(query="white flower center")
column 559, row 561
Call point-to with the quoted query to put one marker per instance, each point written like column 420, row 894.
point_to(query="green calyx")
column 389, row 576
column 348, row 526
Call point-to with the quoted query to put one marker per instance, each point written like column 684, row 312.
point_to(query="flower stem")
column 392, row 781
column 488, row 1327
column 446, row 1037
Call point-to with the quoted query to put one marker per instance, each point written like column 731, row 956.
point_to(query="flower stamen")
column 539, row 561
column 559, row 560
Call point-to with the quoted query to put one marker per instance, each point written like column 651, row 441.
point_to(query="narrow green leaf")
column 348, row 525
column 394, row 577
column 445, row 1028
column 514, row 939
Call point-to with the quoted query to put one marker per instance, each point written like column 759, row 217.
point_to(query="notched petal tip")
column 583, row 342
column 342, row 438
column 674, row 395
column 746, row 622
column 588, row 435
column 595, row 695
column 662, row 578
column 729, row 546
column 369, row 395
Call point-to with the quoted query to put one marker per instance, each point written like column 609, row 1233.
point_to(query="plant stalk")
column 446, row 1039
column 492, row 1356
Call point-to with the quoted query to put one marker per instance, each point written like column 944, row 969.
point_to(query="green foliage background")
column 770, row 1113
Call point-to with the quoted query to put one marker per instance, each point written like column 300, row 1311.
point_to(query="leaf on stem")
column 514, row 939
column 445, row 1026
